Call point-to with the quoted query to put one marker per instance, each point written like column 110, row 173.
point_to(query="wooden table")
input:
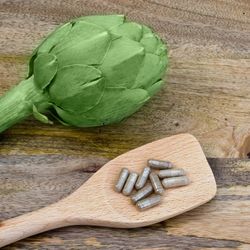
column 207, row 95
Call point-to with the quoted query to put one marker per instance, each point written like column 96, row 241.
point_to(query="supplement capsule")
column 130, row 183
column 149, row 202
column 142, row 179
column 122, row 179
column 142, row 193
column 171, row 173
column 155, row 164
column 156, row 183
column 175, row 182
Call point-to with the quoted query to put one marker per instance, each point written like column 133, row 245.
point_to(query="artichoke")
column 91, row 71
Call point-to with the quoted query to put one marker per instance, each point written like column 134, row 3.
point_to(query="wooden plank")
column 31, row 182
column 208, row 80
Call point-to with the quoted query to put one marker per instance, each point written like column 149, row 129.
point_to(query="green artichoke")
column 92, row 71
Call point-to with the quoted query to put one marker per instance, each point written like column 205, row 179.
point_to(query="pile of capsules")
column 167, row 177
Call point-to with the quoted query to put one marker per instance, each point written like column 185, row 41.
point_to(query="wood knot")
column 244, row 150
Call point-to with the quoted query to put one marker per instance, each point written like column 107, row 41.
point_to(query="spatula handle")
column 29, row 224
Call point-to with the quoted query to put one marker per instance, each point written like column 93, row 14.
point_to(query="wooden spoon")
column 96, row 203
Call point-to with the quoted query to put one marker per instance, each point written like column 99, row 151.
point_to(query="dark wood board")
column 31, row 182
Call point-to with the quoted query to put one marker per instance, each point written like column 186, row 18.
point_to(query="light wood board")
column 207, row 91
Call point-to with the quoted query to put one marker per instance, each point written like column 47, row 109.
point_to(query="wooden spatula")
column 96, row 202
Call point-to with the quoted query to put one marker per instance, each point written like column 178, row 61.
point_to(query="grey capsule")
column 149, row 202
column 143, row 177
column 155, row 164
column 130, row 183
column 171, row 173
column 175, row 181
column 122, row 179
column 156, row 183
column 142, row 193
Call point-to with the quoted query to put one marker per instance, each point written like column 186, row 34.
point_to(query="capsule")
column 156, row 183
column 130, row 183
column 122, row 179
column 149, row 202
column 142, row 179
column 171, row 173
column 175, row 181
column 155, row 164
column 142, row 193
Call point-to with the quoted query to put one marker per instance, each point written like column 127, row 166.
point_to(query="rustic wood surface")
column 207, row 95
column 28, row 183
column 208, row 91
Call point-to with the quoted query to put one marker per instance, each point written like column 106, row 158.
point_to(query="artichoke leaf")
column 31, row 63
column 155, row 87
column 84, row 91
column 55, row 37
column 79, row 33
column 150, row 71
column 107, row 21
column 122, row 62
column 86, row 44
column 130, row 30
column 161, row 50
column 118, row 103
column 150, row 43
column 146, row 30
column 75, row 120
column 41, row 117
column 91, row 51
column 55, row 116
column 45, row 68
column 87, row 98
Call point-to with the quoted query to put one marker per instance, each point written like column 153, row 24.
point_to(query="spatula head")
column 96, row 202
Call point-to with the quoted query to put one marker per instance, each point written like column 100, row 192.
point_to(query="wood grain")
column 208, row 79
column 207, row 95
column 29, row 183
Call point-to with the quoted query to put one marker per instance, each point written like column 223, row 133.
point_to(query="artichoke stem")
column 17, row 103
